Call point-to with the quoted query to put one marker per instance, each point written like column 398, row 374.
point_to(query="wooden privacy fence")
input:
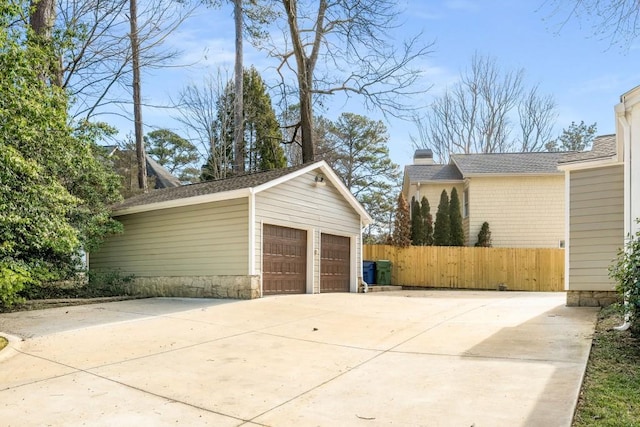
column 520, row 269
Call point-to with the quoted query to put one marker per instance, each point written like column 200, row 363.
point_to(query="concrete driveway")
column 430, row 358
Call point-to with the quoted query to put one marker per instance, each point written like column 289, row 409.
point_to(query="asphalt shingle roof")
column 218, row 186
column 423, row 173
column 604, row 147
column 508, row 163
column 164, row 179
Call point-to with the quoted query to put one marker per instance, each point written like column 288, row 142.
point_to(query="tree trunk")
column 43, row 17
column 42, row 20
column 137, row 99
column 305, row 74
column 306, row 121
column 238, row 140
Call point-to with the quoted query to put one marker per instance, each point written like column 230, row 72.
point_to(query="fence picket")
column 519, row 269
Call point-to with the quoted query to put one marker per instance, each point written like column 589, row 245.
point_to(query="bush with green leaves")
column 484, row 236
column 417, row 223
column 55, row 185
column 455, row 220
column 625, row 270
column 442, row 228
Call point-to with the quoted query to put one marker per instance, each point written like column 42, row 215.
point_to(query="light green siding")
column 596, row 229
column 199, row 240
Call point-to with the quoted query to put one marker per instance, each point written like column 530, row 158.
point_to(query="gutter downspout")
column 624, row 124
column 252, row 235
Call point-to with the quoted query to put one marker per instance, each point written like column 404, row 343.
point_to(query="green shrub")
column 13, row 278
column 484, row 236
column 625, row 270
column 107, row 283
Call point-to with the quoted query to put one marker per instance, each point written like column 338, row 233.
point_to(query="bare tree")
column 537, row 115
column 238, row 141
column 339, row 46
column 476, row 115
column 198, row 110
column 137, row 97
column 96, row 66
column 616, row 20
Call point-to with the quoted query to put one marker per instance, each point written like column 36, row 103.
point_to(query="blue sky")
column 585, row 74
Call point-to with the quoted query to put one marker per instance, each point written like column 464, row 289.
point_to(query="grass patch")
column 3, row 342
column 610, row 394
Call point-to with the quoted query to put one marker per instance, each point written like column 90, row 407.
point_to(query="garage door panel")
column 335, row 263
column 284, row 260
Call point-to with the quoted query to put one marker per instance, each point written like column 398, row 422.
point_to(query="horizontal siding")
column 298, row 203
column 522, row 211
column 199, row 240
column 596, row 226
column 433, row 191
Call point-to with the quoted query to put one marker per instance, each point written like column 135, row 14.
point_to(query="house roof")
column 604, row 147
column 467, row 165
column 164, row 179
column 230, row 188
column 537, row 163
column 248, row 180
column 423, row 173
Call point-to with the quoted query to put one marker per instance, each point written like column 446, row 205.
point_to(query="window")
column 465, row 203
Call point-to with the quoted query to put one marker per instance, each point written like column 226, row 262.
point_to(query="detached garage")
column 294, row 230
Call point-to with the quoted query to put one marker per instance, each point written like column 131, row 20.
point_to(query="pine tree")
column 577, row 137
column 417, row 224
column 442, row 229
column 484, row 236
column 427, row 219
column 455, row 220
column 402, row 224
column 262, row 132
column 262, row 135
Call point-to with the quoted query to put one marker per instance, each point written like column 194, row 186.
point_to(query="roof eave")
column 589, row 163
column 333, row 178
column 436, row 181
column 496, row 175
column 366, row 219
column 186, row 201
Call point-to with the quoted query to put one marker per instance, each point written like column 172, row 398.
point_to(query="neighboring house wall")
column 522, row 211
column 299, row 203
column 596, row 226
column 432, row 192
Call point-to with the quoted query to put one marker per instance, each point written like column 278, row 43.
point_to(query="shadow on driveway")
column 36, row 323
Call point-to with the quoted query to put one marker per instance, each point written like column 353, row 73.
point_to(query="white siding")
column 199, row 240
column 298, row 203
column 522, row 211
column 596, row 226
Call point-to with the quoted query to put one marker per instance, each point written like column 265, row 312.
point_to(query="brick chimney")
column 423, row 157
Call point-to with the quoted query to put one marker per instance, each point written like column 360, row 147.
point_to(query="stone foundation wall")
column 236, row 287
column 591, row 298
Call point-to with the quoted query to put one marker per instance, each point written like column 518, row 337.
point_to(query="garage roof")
column 232, row 188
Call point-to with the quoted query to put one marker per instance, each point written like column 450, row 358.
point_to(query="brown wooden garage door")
column 284, row 260
column 335, row 260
